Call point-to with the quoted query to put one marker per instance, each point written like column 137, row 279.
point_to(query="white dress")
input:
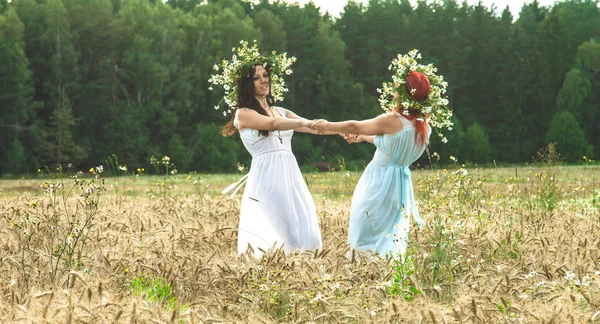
column 277, row 207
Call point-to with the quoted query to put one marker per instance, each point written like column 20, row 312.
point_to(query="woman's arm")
column 248, row 118
column 366, row 138
column 382, row 124
column 292, row 115
column 356, row 138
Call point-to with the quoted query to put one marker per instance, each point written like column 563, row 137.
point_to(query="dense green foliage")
column 83, row 79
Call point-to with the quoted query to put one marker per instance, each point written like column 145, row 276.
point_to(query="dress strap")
column 405, row 121
column 281, row 111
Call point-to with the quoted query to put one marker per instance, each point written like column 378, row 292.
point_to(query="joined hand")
column 353, row 138
column 320, row 125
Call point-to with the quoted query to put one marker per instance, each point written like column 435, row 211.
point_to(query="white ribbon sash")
column 236, row 185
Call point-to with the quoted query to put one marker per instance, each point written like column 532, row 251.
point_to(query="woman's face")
column 261, row 81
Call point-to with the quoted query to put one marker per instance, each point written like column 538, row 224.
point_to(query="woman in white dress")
column 277, row 208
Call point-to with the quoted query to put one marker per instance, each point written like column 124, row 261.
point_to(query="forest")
column 85, row 80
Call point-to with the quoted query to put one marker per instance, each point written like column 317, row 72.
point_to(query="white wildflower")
column 316, row 299
column 570, row 275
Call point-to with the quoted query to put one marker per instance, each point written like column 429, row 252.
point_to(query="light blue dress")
column 383, row 199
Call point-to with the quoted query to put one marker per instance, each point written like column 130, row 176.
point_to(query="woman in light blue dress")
column 383, row 199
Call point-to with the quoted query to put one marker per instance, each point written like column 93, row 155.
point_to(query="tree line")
column 81, row 80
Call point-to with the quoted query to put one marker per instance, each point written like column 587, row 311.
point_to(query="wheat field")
column 501, row 245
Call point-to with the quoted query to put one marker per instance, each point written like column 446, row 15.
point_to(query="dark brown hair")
column 246, row 99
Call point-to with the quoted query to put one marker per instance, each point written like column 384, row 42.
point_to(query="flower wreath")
column 434, row 107
column 241, row 64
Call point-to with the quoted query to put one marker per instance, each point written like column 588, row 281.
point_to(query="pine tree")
column 59, row 146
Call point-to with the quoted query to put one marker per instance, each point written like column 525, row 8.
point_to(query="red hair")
column 419, row 83
column 420, row 127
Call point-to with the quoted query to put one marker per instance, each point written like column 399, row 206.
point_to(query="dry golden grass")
column 495, row 250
